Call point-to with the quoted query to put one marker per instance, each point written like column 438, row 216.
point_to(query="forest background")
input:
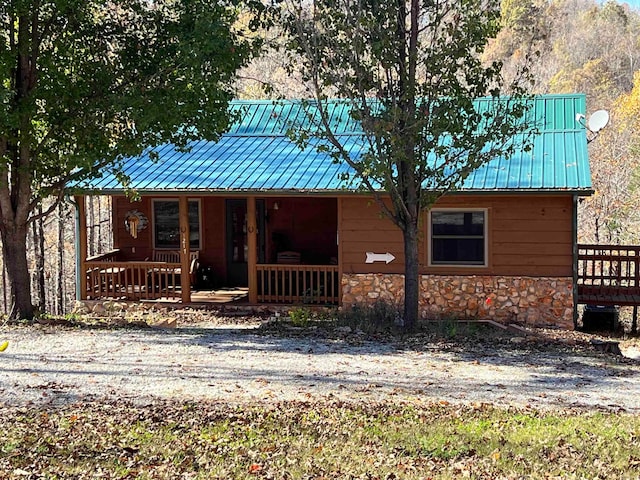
column 572, row 46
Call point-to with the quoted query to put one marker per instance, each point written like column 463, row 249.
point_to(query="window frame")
column 177, row 200
column 485, row 234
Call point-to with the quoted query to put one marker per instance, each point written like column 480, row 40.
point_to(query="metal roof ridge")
column 281, row 135
column 266, row 101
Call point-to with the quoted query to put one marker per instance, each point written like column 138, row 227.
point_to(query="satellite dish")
column 598, row 120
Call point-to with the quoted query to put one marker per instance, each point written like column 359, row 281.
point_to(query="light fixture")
column 276, row 206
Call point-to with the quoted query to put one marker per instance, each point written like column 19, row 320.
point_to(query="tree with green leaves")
column 411, row 71
column 86, row 82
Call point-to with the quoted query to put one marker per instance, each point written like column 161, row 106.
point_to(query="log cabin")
column 254, row 210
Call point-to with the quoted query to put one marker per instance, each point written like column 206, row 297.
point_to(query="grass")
column 315, row 440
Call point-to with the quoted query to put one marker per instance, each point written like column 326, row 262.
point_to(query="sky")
column 632, row 3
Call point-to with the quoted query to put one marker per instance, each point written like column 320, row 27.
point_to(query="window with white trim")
column 458, row 237
column 166, row 224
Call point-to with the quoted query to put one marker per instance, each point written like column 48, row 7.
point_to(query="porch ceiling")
column 257, row 156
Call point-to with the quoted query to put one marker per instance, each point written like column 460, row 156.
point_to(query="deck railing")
column 307, row 284
column 608, row 274
column 107, row 278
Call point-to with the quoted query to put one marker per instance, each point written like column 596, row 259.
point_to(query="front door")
column 237, row 251
column 236, row 239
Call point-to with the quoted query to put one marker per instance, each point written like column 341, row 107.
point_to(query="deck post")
column 185, row 281
column 82, row 245
column 252, row 246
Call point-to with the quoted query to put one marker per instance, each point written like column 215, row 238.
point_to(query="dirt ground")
column 248, row 360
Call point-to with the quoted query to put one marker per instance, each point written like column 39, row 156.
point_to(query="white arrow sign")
column 379, row 257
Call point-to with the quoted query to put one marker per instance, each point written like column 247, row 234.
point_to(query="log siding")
column 528, row 235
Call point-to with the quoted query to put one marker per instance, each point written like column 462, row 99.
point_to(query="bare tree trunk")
column 109, row 223
column 14, row 241
column 101, row 240
column 60, row 287
column 91, row 227
column 33, row 247
column 38, row 247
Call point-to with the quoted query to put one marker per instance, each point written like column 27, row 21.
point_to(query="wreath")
column 134, row 222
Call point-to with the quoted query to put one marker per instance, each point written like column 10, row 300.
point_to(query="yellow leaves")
column 594, row 76
column 4, row 345
column 627, row 107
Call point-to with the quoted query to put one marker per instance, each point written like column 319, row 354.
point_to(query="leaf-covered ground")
column 278, row 361
column 315, row 440
column 329, row 438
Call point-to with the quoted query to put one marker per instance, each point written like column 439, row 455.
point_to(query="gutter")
column 340, row 192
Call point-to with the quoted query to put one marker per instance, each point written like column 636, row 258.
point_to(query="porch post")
column 81, row 254
column 252, row 246
column 574, row 268
column 185, row 281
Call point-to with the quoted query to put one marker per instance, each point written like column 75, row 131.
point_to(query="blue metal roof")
column 257, row 156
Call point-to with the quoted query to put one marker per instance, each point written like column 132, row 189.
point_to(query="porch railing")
column 307, row 284
column 109, row 256
column 608, row 274
column 107, row 278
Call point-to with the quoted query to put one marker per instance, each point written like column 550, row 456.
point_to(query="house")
column 259, row 212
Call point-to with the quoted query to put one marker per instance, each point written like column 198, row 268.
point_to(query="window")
column 458, row 237
column 166, row 215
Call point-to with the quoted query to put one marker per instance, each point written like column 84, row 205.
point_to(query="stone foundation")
column 546, row 301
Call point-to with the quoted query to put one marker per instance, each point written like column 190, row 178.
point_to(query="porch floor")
column 221, row 295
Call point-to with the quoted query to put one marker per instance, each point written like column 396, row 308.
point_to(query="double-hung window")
column 458, row 237
column 166, row 224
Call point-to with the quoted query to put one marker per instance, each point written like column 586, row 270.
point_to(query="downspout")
column 574, row 241
column 77, row 242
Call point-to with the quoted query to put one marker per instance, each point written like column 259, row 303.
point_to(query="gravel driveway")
column 235, row 363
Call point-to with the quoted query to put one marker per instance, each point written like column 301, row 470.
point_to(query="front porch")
column 252, row 250
column 108, row 278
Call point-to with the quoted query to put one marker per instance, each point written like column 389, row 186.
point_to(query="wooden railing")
column 608, row 274
column 109, row 256
column 107, row 278
column 306, row 284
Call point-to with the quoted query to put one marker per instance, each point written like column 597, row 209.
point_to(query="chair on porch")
column 288, row 257
column 288, row 278
column 173, row 256
column 168, row 256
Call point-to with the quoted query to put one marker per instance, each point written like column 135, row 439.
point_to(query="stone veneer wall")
column 532, row 301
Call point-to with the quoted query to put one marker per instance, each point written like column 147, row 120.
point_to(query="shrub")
column 380, row 317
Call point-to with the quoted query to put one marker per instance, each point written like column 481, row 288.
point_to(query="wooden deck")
column 608, row 275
